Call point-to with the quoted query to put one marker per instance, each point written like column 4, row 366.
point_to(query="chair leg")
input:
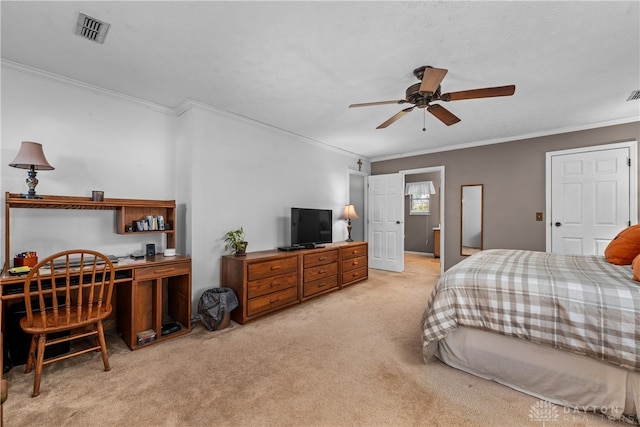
column 32, row 354
column 39, row 362
column 103, row 346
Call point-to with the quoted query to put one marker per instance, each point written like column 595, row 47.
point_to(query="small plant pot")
column 242, row 250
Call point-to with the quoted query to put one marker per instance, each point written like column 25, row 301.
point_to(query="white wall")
column 223, row 171
column 95, row 141
column 250, row 175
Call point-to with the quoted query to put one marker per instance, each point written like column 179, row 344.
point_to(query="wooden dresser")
column 354, row 264
column 320, row 273
column 269, row 281
column 436, row 243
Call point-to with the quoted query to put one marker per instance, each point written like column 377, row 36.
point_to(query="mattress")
column 564, row 378
column 580, row 304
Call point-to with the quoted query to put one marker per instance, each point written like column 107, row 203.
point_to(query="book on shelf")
column 146, row 336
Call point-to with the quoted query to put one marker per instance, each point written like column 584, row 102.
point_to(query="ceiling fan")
column 422, row 95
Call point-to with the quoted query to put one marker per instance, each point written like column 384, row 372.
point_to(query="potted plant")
column 234, row 240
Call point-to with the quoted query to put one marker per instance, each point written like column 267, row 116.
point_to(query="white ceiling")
column 298, row 65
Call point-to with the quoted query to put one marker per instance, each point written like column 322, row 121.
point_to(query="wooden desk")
column 148, row 293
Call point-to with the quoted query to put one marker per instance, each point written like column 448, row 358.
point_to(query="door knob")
column 397, row 222
column 558, row 224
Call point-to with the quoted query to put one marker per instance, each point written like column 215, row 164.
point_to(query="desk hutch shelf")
column 127, row 211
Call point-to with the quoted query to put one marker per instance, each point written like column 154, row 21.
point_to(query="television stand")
column 300, row 247
column 269, row 281
column 311, row 246
column 290, row 248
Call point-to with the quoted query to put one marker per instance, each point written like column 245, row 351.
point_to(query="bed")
column 563, row 328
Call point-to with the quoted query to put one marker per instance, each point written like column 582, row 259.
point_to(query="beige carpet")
column 350, row 358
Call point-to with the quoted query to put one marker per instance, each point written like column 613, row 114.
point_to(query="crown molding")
column 509, row 139
column 176, row 111
column 188, row 104
column 35, row 72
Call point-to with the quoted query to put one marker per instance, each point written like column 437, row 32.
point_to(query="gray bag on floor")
column 213, row 305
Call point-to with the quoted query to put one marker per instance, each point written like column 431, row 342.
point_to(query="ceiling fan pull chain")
column 424, row 120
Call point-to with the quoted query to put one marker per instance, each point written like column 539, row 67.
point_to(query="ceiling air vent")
column 634, row 95
column 91, row 28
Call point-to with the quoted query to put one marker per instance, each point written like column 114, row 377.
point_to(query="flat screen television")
column 310, row 227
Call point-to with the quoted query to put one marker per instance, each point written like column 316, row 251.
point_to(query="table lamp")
column 31, row 157
column 349, row 214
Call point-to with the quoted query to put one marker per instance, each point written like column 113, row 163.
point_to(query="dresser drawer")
column 161, row 271
column 321, row 285
column 353, row 263
column 260, row 287
column 320, row 272
column 271, row 301
column 311, row 260
column 354, row 275
column 276, row 267
column 354, row 251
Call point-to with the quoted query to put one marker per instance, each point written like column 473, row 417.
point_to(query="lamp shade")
column 31, row 154
column 350, row 212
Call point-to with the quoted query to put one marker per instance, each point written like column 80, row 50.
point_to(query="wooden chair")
column 68, row 291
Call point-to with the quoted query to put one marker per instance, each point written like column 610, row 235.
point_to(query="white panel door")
column 590, row 200
column 386, row 222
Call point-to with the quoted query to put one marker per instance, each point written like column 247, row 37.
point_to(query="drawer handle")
column 275, row 267
column 274, row 284
column 322, row 285
column 355, row 263
column 322, row 258
column 322, row 272
column 354, row 252
column 163, row 270
column 355, row 274
column 271, row 301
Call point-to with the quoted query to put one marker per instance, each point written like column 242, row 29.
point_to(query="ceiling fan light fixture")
column 428, row 90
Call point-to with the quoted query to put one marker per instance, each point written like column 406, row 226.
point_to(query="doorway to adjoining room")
column 422, row 219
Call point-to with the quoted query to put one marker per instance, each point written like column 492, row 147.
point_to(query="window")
column 419, row 193
column 419, row 204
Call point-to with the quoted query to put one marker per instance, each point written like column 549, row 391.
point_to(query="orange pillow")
column 624, row 247
column 636, row 268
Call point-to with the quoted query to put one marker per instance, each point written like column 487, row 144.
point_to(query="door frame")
column 431, row 169
column 632, row 145
column 365, row 198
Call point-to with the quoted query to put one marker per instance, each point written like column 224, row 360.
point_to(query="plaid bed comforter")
column 581, row 304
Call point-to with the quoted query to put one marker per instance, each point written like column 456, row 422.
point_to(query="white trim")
column 521, row 137
column 176, row 111
column 364, row 215
column 431, row 169
column 633, row 178
column 187, row 104
column 34, row 72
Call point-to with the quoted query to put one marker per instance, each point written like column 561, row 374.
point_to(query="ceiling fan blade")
column 396, row 117
column 442, row 114
column 369, row 104
column 488, row 92
column 431, row 79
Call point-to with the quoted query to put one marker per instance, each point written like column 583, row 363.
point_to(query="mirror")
column 471, row 206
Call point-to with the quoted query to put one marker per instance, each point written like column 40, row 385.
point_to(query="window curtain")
column 423, row 187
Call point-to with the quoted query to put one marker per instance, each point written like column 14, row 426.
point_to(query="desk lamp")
column 31, row 157
column 349, row 214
